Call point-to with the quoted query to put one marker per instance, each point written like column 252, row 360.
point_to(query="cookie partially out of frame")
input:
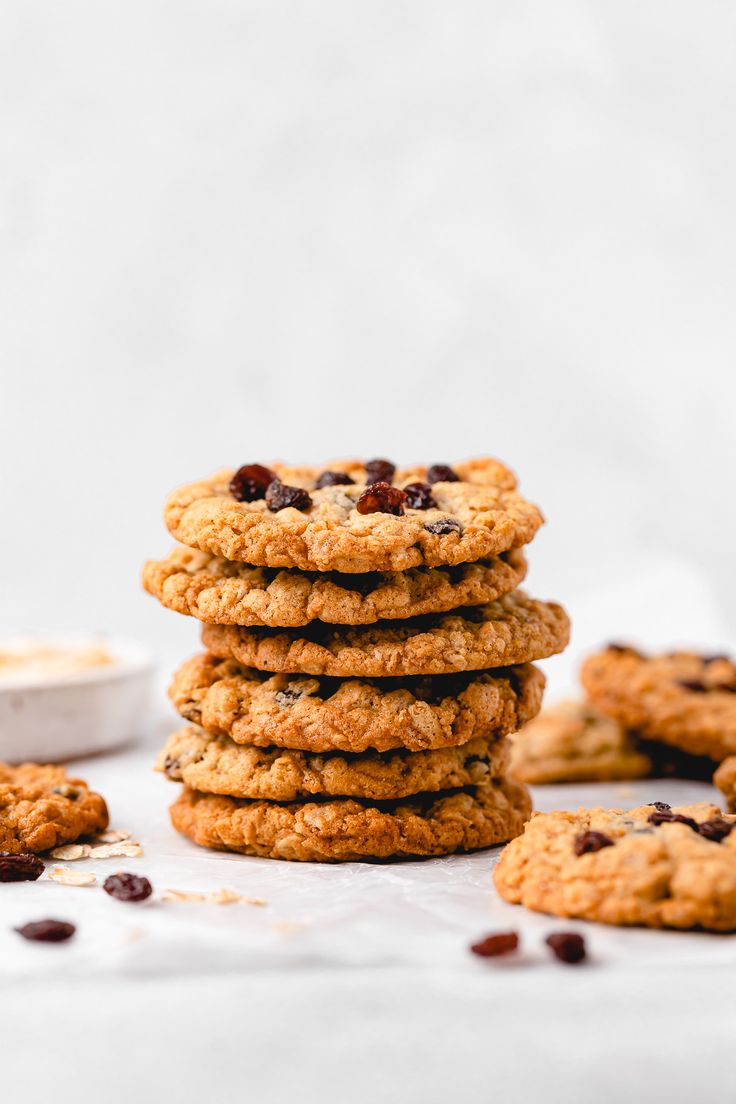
column 217, row 765
column 225, row 592
column 475, row 514
column 514, row 629
column 572, row 742
column 654, row 866
column 683, row 699
column 353, row 715
column 343, row 829
column 41, row 807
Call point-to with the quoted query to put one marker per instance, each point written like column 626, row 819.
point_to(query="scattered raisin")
column 20, row 868
column 591, row 841
column 381, row 498
column 47, row 931
column 569, row 947
column 280, row 495
column 250, row 482
column 442, row 473
column 716, row 829
column 444, row 525
column 499, row 944
column 419, row 496
column 127, row 887
column 380, row 471
column 661, row 806
column 696, row 686
column 667, row 816
column 333, row 479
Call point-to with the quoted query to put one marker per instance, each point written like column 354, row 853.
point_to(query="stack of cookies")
column 367, row 652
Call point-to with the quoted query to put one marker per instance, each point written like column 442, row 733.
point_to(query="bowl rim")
column 132, row 658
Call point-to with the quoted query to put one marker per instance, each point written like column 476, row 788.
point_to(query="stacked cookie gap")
column 367, row 652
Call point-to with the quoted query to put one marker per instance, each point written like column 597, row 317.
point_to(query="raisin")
column 499, row 944
column 250, row 482
column 696, row 686
column 67, row 791
column 716, row 829
column 172, row 766
column 591, row 841
column 661, row 806
column 569, row 947
column 333, row 479
column 442, row 473
column 419, row 496
column 623, row 649
column 379, row 471
column 287, row 696
column 381, row 498
column 667, row 816
column 444, row 525
column 47, row 931
column 20, row 868
column 127, row 887
column 716, row 657
column 280, row 495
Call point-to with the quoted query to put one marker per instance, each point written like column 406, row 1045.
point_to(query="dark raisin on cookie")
column 47, row 931
column 444, row 525
column 591, row 841
column 568, row 947
column 250, row 482
column 716, row 657
column 660, row 806
column 288, row 696
column 493, row 945
column 280, row 495
column 716, row 829
column 442, row 473
column 419, row 496
column 695, row 686
column 381, row 498
column 379, row 471
column 128, row 887
column 20, row 868
column 667, row 816
column 333, row 479
column 64, row 789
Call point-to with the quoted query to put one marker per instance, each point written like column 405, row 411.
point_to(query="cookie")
column 223, row 592
column 344, row 830
column 683, row 699
column 217, row 765
column 652, row 866
column 472, row 513
column 41, row 808
column 572, row 742
column 725, row 780
column 514, row 629
column 353, row 715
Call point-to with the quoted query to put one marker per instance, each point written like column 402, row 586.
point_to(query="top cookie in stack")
column 384, row 585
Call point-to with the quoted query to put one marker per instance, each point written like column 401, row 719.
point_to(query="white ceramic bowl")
column 67, row 716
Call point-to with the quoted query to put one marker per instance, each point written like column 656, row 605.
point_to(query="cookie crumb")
column 181, row 895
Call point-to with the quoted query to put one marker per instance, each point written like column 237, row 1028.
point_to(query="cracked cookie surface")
column 217, row 765
column 682, row 699
column 572, row 742
column 353, row 715
column 478, row 516
column 224, row 592
column 515, row 629
column 344, row 830
column 41, row 807
column 654, row 874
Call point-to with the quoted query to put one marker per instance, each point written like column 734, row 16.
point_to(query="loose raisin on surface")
column 381, row 498
column 127, row 887
column 442, row 473
column 499, row 944
column 419, row 496
column 380, row 471
column 444, row 525
column 250, row 482
column 333, row 479
column 666, row 816
column 716, row 829
column 280, row 495
column 591, row 841
column 47, row 931
column 20, row 868
column 569, row 947
column 696, row 686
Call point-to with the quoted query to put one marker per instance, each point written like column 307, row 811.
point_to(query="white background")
column 232, row 230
